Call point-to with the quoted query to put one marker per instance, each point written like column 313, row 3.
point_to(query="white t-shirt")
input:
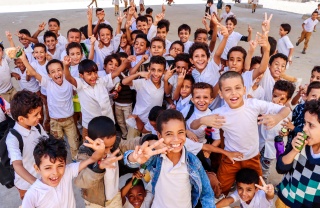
column 41, row 69
column 225, row 15
column 30, row 140
column 94, row 101
column 258, row 93
column 5, row 76
column 259, row 200
column 284, row 45
column 148, row 96
column 31, row 85
column 241, row 128
column 64, row 53
column 7, row 107
column 232, row 41
column 182, row 103
column 62, row 41
column 187, row 45
column 255, row 1
column 28, row 51
column 111, row 181
column 59, row 98
column 192, row 146
column 74, row 71
column 200, row 132
column 105, row 22
column 57, row 52
column 41, row 195
column 267, row 82
column 173, row 188
column 309, row 24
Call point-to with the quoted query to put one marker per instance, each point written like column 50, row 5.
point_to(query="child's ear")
column 20, row 119
column 36, row 168
column 81, row 75
column 192, row 100
column 220, row 94
column 191, row 60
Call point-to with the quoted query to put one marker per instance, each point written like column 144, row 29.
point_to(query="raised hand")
column 163, row 8
column 120, row 18
column 128, row 24
column 269, row 120
column 89, row 13
column 109, row 161
column 253, row 43
column 158, row 17
column 223, row 30
column 42, row 26
column 92, row 39
column 9, row 35
column 142, row 153
column 267, row 188
column 249, row 29
column 215, row 121
column 169, row 73
column 263, row 40
column 131, row 58
column 182, row 75
column 266, row 23
column 98, row 146
column 144, row 74
column 67, row 61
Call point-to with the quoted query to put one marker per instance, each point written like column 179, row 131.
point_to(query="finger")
column 265, row 16
column 270, row 17
column 159, row 151
column 259, row 187
column 262, row 181
column 89, row 140
column 115, row 152
column 143, row 146
column 157, row 143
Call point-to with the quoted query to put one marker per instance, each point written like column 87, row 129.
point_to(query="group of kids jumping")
column 200, row 117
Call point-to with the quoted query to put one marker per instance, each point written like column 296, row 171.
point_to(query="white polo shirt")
column 183, row 102
column 309, row 24
column 187, row 45
column 5, row 76
column 59, row 98
column 267, row 82
column 148, row 96
column 225, row 15
column 259, row 200
column 30, row 139
column 41, row 195
column 41, row 69
column 173, row 188
column 57, row 52
column 62, row 41
column 232, row 41
column 31, row 85
column 94, row 100
column 241, row 126
column 74, row 71
column 284, row 45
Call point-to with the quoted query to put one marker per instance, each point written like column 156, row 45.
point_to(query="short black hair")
column 154, row 113
column 147, row 15
column 23, row 103
column 98, row 10
column 183, row 57
column 247, row 176
column 48, row 34
column 273, row 45
column 149, row 10
column 238, row 49
column 135, row 32
column 197, row 46
column 278, row 55
column 232, row 19
column 40, row 45
column 184, row 27
column 105, row 26
column 316, row 69
column 200, row 31
column 109, row 58
column 284, row 86
column 25, row 31
column 255, row 60
column 84, row 30
column 164, row 23
column 87, row 65
column 53, row 61
column 228, row 5
column 313, row 107
column 190, row 78
column 148, row 137
column 155, row 39
column 158, row 60
column 177, row 42
column 101, row 127
column 229, row 75
column 73, row 45
column 75, row 30
column 144, row 37
column 315, row 12
column 55, row 149
column 123, row 55
column 142, row 19
column 286, row 27
column 202, row 85
column 209, row 1
column 139, row 183
column 168, row 115
column 313, row 85
column 1, row 46
column 54, row 20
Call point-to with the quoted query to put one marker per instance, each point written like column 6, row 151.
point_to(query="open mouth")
column 175, row 145
column 54, row 180
column 234, row 100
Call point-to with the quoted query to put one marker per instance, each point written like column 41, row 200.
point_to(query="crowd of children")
column 197, row 123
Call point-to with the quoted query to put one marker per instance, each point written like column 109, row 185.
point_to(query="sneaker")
column 303, row 52
column 297, row 43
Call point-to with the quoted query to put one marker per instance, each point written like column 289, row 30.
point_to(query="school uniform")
column 225, row 15
column 32, row 85
column 258, row 201
column 6, row 88
column 182, row 102
column 232, row 41
column 62, row 41
column 41, row 69
column 307, row 32
column 267, row 82
column 187, row 45
column 57, row 52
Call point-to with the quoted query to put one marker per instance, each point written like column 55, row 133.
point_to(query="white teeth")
column 175, row 145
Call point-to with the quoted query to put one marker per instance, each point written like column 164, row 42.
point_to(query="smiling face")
column 157, row 71
column 201, row 98
column 51, row 43
column 56, row 73
column 105, row 36
column 277, row 67
column 90, row 77
column 76, row 55
column 246, row 191
column 53, row 27
column 157, row 48
column 201, row 38
column 230, row 26
column 74, row 37
column 315, row 76
column 140, row 46
column 18, row 62
column 279, row 97
column 181, row 65
column 236, row 61
column 162, row 33
column 111, row 66
column 232, row 91
column 32, row 119
column 136, row 196
column 143, row 26
column 314, row 94
column 184, row 35
column 123, row 41
column 24, row 42
column 40, row 54
column 177, row 48
column 199, row 59
column 174, row 135
column 51, row 173
column 185, row 90
column 314, row 16
column 149, row 21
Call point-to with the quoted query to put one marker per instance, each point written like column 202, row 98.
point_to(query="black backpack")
column 6, row 170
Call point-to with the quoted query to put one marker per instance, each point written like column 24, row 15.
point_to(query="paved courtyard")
column 177, row 14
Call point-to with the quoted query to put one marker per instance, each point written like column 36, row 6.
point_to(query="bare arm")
column 225, row 202
column 219, row 51
column 30, row 70
column 128, row 80
column 134, row 69
column 89, row 16
column 9, row 37
column 66, row 65
column 263, row 42
column 22, row 172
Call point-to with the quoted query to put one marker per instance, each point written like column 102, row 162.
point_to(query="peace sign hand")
column 110, row 160
column 266, row 23
column 267, row 188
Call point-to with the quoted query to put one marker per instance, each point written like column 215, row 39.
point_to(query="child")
column 116, row 7
column 299, row 163
column 100, row 182
column 54, row 189
column 124, row 43
column 25, row 110
column 317, row 10
column 284, row 44
column 176, row 48
column 254, row 5
column 243, row 136
column 157, row 46
column 227, row 13
column 160, row 28
column 256, row 91
column 27, row 44
column 100, row 14
column 282, row 93
column 248, row 192
column 149, row 92
column 184, row 32
column 51, row 42
column 73, row 35
column 141, row 45
column 60, row 105
column 307, row 27
column 185, row 91
column 183, row 189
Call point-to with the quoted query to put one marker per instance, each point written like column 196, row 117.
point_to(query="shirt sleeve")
column 235, row 196
column 116, row 41
column 14, row 152
column 107, row 81
column 44, row 82
column 287, row 42
column 152, row 32
column 29, row 199
column 193, row 147
column 137, row 84
column 79, row 84
column 267, row 107
column 40, row 39
column 72, row 170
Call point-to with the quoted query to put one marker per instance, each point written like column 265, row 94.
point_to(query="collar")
column 86, row 85
column 201, row 113
column 23, row 131
column 182, row 158
column 185, row 100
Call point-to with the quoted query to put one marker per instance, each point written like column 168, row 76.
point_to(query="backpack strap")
column 2, row 105
column 39, row 128
column 19, row 137
column 191, row 110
